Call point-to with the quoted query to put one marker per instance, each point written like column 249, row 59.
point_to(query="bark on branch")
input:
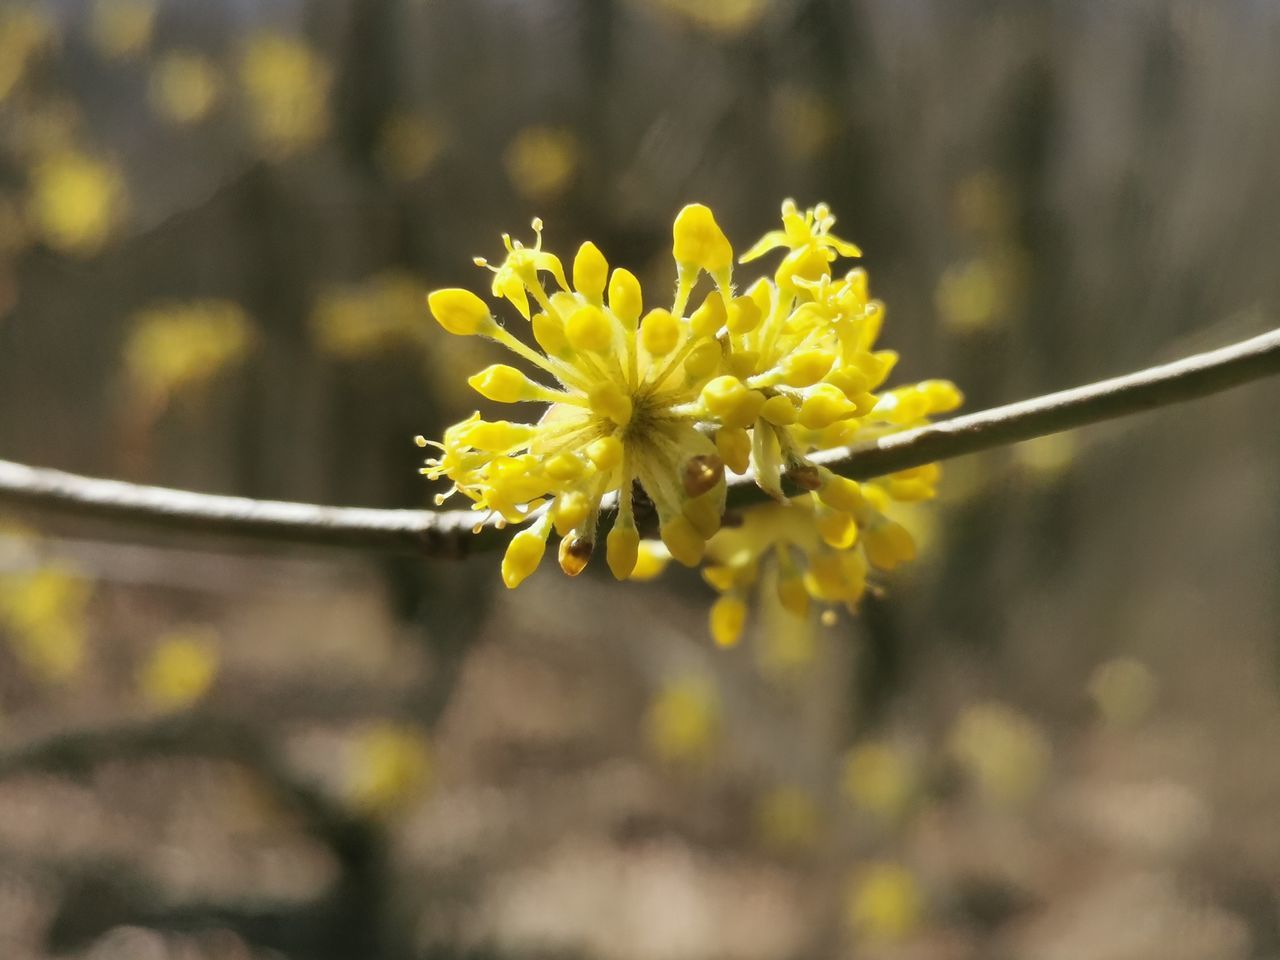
column 440, row 533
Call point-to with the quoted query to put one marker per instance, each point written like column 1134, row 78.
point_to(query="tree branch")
column 448, row 533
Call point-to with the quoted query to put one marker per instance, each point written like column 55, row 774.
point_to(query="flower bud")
column 605, row 453
column 589, row 329
column 732, row 402
column 744, row 315
column 734, row 446
column 590, row 272
column 659, row 332
column 699, row 241
column 625, row 299
column 503, row 384
column 460, row 312
column 570, row 511
column 707, row 320
column 792, row 594
column 703, row 360
column 704, row 513
column 779, row 410
column 622, row 550
column 841, row 493
column 496, row 436
column 651, row 559
column 728, row 616
column 523, row 555
column 888, row 544
column 548, row 331
column 806, row 368
column 608, row 400
column 838, row 529
column 824, row 406
column 684, row 541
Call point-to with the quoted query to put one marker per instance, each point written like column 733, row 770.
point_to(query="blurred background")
column 1053, row 736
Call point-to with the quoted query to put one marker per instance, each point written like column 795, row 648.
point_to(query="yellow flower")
column 176, row 347
column 26, row 29
column 541, row 161
column 121, row 29
column 390, row 764
column 808, row 238
column 788, row 819
column 683, row 722
column 885, row 903
column 44, row 613
column 623, row 406
column 878, row 779
column 1124, row 691
column 1003, row 750
column 181, row 668
column 286, row 85
column 75, row 201
column 408, row 145
column 184, row 86
column 669, row 397
column 383, row 312
column 722, row 16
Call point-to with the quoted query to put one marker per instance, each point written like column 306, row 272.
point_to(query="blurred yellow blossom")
column 1003, row 750
column 121, row 29
column 984, row 206
column 986, row 288
column 408, row 145
column 540, row 162
column 43, row 612
column 25, row 30
column 184, row 86
column 879, row 779
column 1048, row 456
column 286, row 85
column 884, row 904
column 383, row 312
column 727, row 16
column 683, row 724
column 787, row 644
column 75, row 201
column 982, row 291
column 180, row 346
column 390, row 764
column 1124, row 691
column 788, row 819
column 652, row 559
column 180, row 669
column 804, row 120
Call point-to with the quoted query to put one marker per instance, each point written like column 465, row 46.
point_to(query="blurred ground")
column 1051, row 737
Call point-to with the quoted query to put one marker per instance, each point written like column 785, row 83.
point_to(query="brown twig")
column 448, row 533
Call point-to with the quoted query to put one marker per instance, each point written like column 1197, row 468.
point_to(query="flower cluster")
column 667, row 399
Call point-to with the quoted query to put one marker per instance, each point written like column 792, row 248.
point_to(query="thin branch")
column 448, row 533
